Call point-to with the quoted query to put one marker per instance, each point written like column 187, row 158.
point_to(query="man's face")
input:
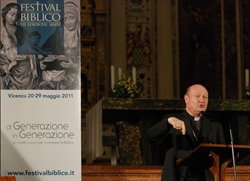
column 34, row 40
column 196, row 100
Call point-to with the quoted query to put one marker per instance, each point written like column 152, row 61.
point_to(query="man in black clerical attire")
column 185, row 131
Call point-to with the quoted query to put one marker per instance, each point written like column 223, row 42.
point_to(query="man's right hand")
column 177, row 124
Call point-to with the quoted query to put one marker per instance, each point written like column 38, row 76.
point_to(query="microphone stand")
column 233, row 156
column 231, row 139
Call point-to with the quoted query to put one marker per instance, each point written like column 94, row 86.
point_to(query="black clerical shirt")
column 196, row 127
column 196, row 173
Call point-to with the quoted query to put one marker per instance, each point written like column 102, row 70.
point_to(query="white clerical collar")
column 196, row 118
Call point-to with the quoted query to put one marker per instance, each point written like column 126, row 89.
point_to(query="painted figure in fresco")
column 201, row 60
column 17, row 68
column 138, row 48
column 66, row 52
column 183, row 132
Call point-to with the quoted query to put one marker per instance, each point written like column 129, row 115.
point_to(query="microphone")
column 231, row 138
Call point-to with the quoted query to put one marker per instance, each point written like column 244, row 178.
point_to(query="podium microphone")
column 231, row 139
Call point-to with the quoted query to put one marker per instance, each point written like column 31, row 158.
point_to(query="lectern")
column 221, row 156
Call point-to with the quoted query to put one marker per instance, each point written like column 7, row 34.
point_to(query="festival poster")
column 40, row 90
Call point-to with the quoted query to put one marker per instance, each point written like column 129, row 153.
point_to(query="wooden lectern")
column 221, row 155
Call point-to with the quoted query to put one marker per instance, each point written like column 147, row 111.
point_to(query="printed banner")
column 40, row 90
